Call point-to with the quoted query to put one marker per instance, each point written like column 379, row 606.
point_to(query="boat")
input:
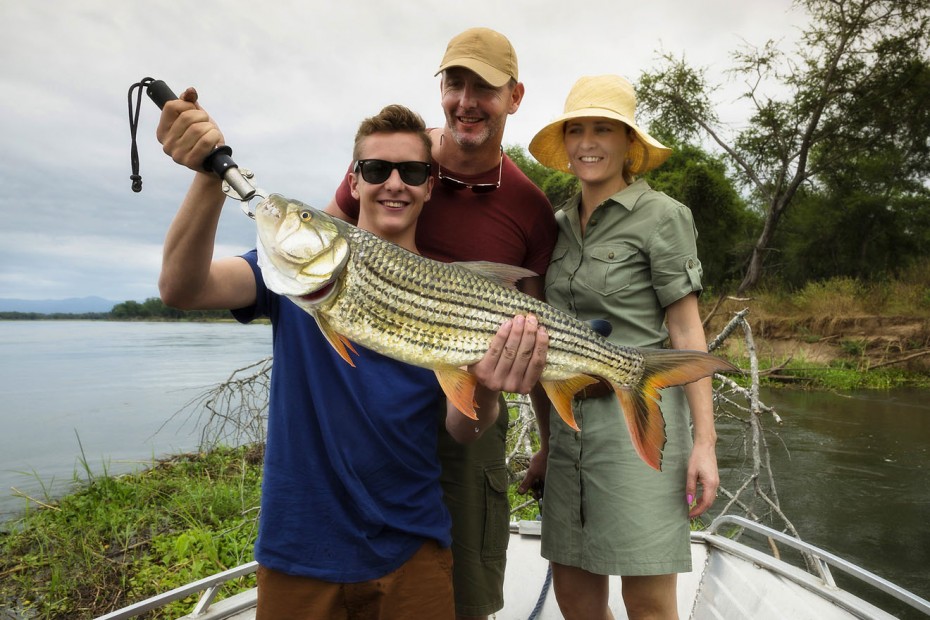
column 729, row 579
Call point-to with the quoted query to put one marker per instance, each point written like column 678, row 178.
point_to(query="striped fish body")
column 443, row 316
column 433, row 314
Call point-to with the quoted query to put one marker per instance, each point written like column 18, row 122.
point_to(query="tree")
column 558, row 186
column 854, row 229
column 154, row 308
column 854, row 57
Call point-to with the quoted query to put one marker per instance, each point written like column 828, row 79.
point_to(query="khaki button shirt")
column 638, row 255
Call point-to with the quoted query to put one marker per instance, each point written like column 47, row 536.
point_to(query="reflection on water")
column 852, row 472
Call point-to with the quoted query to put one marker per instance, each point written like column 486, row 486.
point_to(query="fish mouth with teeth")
column 320, row 294
column 324, row 291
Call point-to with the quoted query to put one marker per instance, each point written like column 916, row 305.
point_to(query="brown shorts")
column 420, row 588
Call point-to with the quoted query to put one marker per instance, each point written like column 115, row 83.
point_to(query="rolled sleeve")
column 676, row 270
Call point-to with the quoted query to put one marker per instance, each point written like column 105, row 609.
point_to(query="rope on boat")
column 542, row 595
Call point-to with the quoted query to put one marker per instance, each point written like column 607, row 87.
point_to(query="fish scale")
column 466, row 309
column 444, row 316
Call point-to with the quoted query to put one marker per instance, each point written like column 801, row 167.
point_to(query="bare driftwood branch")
column 737, row 320
column 233, row 412
column 899, row 360
column 759, row 477
column 717, row 305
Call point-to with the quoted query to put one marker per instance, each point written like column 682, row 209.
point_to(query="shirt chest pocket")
column 611, row 269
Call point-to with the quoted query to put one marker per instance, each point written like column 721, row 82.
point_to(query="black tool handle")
column 220, row 159
column 160, row 93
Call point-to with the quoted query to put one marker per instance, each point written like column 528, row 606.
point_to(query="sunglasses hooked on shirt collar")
column 378, row 170
column 478, row 188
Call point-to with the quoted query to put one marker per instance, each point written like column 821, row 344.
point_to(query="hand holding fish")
column 514, row 362
column 186, row 132
column 516, row 357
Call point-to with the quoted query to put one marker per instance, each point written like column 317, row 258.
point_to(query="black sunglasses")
column 378, row 170
column 478, row 188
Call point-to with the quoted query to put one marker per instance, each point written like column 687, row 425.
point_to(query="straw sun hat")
column 600, row 96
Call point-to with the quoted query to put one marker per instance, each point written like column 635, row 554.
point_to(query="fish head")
column 302, row 251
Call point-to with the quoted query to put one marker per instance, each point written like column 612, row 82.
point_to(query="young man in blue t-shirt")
column 352, row 522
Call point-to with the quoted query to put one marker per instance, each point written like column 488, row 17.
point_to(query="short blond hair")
column 393, row 118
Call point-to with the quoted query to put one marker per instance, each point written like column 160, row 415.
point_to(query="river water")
column 106, row 387
column 852, row 470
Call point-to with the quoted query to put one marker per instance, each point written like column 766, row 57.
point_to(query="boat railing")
column 208, row 585
column 714, row 536
column 824, row 559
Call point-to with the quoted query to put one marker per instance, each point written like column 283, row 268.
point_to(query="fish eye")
column 305, row 216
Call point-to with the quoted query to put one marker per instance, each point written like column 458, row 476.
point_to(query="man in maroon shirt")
column 483, row 208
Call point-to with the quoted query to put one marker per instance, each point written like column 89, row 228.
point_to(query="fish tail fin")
column 662, row 368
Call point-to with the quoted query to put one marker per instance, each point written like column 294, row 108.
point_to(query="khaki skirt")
column 604, row 510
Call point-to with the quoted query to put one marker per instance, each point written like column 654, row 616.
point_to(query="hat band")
column 577, row 112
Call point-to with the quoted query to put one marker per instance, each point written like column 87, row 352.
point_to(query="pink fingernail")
column 690, row 499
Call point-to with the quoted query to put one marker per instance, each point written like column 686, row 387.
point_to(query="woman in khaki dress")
column 625, row 253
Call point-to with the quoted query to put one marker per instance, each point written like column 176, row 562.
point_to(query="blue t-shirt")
column 351, row 476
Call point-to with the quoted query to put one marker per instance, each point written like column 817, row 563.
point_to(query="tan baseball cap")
column 484, row 51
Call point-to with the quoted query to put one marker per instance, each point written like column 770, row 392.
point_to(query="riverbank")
column 828, row 341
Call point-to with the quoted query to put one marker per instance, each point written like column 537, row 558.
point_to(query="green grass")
column 839, row 375
column 523, row 507
column 118, row 540
column 905, row 295
column 126, row 538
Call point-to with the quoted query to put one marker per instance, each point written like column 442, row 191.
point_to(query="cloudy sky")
column 288, row 83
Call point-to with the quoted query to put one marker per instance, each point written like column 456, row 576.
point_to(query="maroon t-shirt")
column 513, row 225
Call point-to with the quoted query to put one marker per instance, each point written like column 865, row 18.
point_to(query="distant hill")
column 73, row 305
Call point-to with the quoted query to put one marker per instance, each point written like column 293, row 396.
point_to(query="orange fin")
column 662, row 368
column 459, row 387
column 338, row 341
column 561, row 393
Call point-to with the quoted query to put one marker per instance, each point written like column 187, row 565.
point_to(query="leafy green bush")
column 126, row 538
